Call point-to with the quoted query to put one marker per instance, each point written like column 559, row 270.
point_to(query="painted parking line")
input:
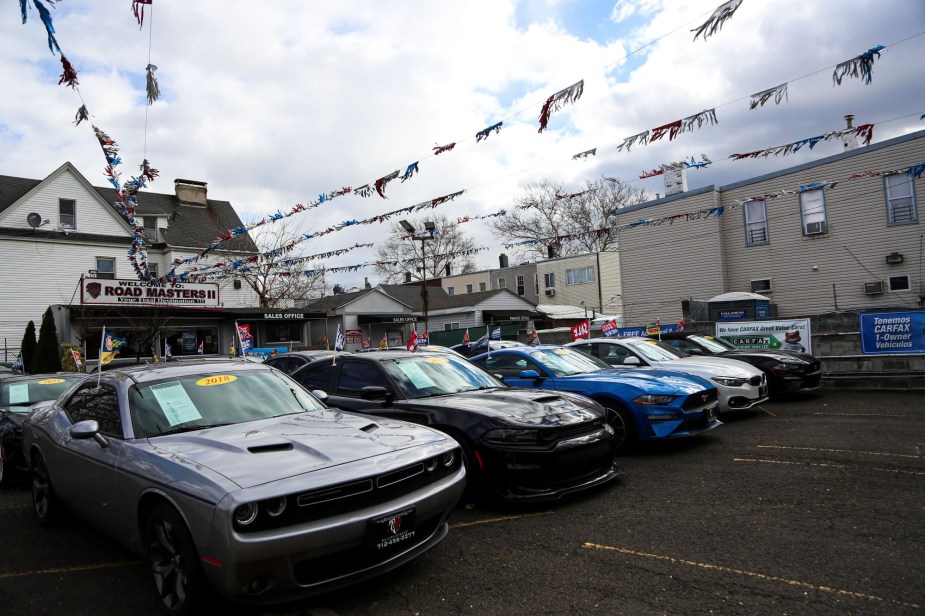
column 505, row 518
column 866, row 453
column 57, row 570
column 761, row 408
column 787, row 462
column 751, row 574
column 919, row 416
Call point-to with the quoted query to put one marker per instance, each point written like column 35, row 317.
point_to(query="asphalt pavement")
column 807, row 505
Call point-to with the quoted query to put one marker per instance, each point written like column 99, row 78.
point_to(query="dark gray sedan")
column 228, row 474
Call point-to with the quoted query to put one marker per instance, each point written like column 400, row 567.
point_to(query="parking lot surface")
column 808, row 505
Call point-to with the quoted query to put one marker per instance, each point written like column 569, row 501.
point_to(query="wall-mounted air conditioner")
column 815, row 228
column 550, row 292
column 873, row 288
column 761, row 286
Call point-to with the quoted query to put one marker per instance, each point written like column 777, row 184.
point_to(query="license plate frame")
column 391, row 530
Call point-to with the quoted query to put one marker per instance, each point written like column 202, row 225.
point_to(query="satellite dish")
column 34, row 220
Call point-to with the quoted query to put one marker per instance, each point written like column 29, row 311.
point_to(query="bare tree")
column 278, row 276
column 553, row 213
column 399, row 253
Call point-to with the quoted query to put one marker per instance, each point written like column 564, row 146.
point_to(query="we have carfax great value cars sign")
column 773, row 335
column 102, row 291
column 893, row 332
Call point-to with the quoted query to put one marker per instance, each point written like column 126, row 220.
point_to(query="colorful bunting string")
column 859, row 66
column 864, row 131
column 558, row 100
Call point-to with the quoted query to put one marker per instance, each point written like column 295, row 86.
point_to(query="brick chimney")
column 191, row 193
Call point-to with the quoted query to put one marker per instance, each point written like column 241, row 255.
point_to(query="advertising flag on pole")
column 466, row 339
column 168, row 354
column 496, row 334
column 154, row 355
column 199, row 350
column 534, row 339
column 653, row 329
column 680, row 326
column 76, row 355
column 413, row 341
column 18, row 364
column 384, row 343
column 339, row 339
column 245, row 338
column 110, row 348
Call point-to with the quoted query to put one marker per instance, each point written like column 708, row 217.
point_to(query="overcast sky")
column 274, row 103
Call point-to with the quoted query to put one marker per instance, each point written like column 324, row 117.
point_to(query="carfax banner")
column 773, row 335
column 893, row 332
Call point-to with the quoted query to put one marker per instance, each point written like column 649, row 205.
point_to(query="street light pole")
column 422, row 237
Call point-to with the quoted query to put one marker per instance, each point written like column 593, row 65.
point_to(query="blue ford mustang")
column 643, row 404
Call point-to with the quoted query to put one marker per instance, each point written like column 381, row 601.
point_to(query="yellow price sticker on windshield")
column 562, row 352
column 709, row 337
column 217, row 379
column 437, row 360
column 51, row 381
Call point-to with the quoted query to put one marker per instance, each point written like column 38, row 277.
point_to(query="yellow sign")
column 437, row 360
column 51, row 381
column 216, row 379
column 562, row 352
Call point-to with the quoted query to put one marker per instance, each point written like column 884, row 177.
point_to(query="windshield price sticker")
column 50, row 381
column 437, row 360
column 217, row 379
column 175, row 403
column 19, row 393
column 562, row 352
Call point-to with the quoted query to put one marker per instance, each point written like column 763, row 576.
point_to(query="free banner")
column 771, row 335
column 893, row 332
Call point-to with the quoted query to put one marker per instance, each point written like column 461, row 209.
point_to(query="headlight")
column 246, row 514
column 431, row 465
column 448, row 459
column 508, row 436
column 275, row 507
column 653, row 399
column 730, row 381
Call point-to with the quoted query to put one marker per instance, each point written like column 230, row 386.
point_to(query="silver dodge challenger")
column 228, row 476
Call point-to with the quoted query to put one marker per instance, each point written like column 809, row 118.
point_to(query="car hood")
column 256, row 452
column 650, row 381
column 776, row 355
column 523, row 406
column 711, row 366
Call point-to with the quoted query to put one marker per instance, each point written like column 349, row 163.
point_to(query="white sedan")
column 740, row 385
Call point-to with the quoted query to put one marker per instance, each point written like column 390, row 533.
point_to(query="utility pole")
column 430, row 229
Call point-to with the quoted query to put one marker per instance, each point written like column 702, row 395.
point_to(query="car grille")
column 758, row 379
column 335, row 499
column 563, row 433
column 700, row 399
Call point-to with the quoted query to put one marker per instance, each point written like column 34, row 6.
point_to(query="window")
column 521, row 287
column 100, row 404
column 502, row 283
column 316, row 377
column 581, row 275
column 448, row 327
column 355, row 376
column 283, row 331
column 483, row 286
column 812, row 212
column 468, row 288
column 67, row 213
column 105, row 267
column 450, row 291
column 550, row 279
column 150, row 225
column 756, row 223
column 152, row 269
column 899, row 283
column 900, row 200
column 536, row 284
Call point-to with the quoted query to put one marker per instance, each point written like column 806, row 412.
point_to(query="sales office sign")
column 103, row 291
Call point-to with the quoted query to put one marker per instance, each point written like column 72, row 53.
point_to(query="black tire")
column 623, row 428
column 44, row 501
column 179, row 582
column 5, row 473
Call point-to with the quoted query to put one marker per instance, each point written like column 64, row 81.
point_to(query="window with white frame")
column 812, row 212
column 900, row 200
column 150, row 225
column 482, row 286
column 899, row 283
column 152, row 269
column 67, row 213
column 448, row 327
column 105, row 267
column 502, row 283
column 580, row 275
column 468, row 288
column 521, row 285
column 536, row 283
column 550, row 279
column 450, row 291
column 756, row 223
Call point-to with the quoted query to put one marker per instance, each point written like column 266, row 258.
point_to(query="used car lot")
column 810, row 505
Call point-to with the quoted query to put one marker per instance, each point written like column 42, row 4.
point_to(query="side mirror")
column 320, row 394
column 632, row 360
column 88, row 429
column 375, row 392
column 694, row 351
column 530, row 374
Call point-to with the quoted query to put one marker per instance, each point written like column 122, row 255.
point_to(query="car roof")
column 184, row 367
column 382, row 355
column 307, row 353
column 39, row 377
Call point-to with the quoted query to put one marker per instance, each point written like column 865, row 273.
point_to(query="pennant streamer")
column 779, row 93
column 138, row 9
column 45, row 16
column 381, row 183
column 723, row 13
column 82, row 114
column 485, row 132
column 708, row 116
column 559, row 100
column 864, row 131
column 585, row 154
column 440, row 149
column 642, row 138
column 671, row 129
column 153, row 90
column 860, row 66
column 411, row 170
column 68, row 74
column 483, row 217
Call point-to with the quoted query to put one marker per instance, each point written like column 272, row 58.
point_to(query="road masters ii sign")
column 102, row 291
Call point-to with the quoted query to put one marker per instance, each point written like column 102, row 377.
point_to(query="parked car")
column 482, row 345
column 740, row 385
column 293, row 360
column 517, row 445
column 227, row 474
column 787, row 371
column 641, row 404
column 19, row 394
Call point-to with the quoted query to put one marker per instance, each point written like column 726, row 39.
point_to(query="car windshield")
column 214, row 399
column 421, row 376
column 654, row 350
column 20, row 394
column 565, row 362
column 717, row 345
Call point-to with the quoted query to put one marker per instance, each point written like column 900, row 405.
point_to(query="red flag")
column 466, row 338
column 582, row 330
column 413, row 341
column 681, row 325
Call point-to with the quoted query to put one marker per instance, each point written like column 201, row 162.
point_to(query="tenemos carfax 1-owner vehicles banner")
column 893, row 332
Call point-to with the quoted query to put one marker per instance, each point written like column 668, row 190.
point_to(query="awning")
column 509, row 315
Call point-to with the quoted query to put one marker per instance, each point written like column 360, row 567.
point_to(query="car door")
column 509, row 366
column 85, row 474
